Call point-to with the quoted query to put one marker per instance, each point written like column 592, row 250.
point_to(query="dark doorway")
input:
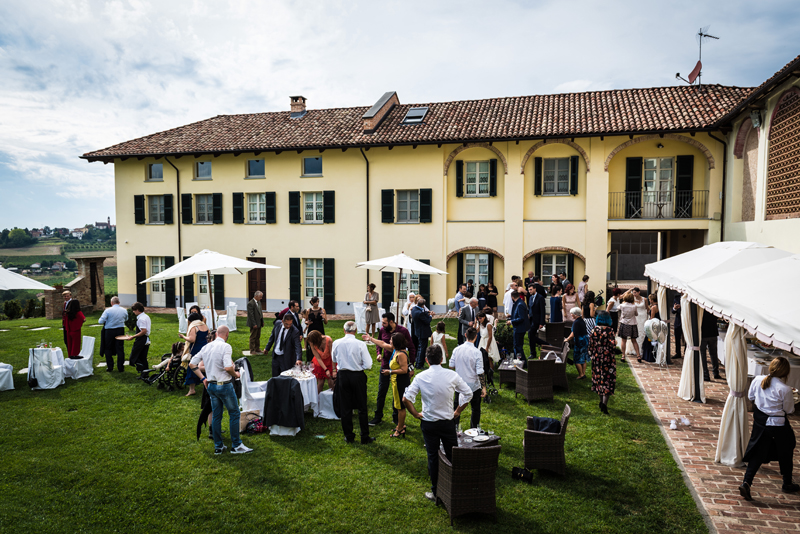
column 93, row 281
column 257, row 281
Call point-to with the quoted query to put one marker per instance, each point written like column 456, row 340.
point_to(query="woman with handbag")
column 197, row 335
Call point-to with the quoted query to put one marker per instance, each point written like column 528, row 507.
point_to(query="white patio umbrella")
column 208, row 262
column 398, row 264
column 11, row 280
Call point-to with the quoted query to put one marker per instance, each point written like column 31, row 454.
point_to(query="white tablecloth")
column 309, row 388
column 325, row 406
column 51, row 375
column 755, row 368
column 207, row 314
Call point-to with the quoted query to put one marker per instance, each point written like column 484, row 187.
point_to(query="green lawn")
column 108, row 453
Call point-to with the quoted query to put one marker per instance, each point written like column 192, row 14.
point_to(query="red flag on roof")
column 695, row 72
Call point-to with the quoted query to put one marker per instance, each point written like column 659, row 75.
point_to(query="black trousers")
column 112, row 346
column 784, row 443
column 422, row 348
column 139, row 354
column 475, row 407
column 434, row 433
column 711, row 344
column 353, row 396
column 678, row 340
column 534, row 339
column 384, row 387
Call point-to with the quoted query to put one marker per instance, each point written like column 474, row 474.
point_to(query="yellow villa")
column 595, row 183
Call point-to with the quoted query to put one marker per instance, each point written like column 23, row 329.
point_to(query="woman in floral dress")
column 604, row 367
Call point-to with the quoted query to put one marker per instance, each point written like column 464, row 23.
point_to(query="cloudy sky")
column 82, row 75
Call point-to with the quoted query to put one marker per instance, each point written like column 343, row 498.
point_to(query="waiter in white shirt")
column 141, row 345
column 437, row 420
column 220, row 371
column 467, row 361
column 352, row 358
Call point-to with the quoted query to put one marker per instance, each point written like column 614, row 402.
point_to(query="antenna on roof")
column 697, row 74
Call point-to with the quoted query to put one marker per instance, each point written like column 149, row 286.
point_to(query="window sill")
column 407, row 222
column 156, row 224
column 311, row 223
column 256, row 223
column 201, row 180
column 556, row 195
column 255, row 177
column 477, row 196
column 154, row 181
column 311, row 176
column 202, row 224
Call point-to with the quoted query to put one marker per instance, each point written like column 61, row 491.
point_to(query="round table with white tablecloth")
column 308, row 385
column 48, row 367
column 758, row 364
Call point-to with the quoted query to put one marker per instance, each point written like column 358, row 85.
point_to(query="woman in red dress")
column 75, row 320
column 323, row 363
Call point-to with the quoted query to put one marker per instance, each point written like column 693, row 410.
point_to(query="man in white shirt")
column 220, row 371
column 285, row 338
column 352, row 358
column 437, row 420
column 141, row 344
column 508, row 302
column 467, row 361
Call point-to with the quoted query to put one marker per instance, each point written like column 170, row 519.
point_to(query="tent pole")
column 399, row 281
column 211, row 294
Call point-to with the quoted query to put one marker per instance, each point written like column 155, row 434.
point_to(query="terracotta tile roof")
column 626, row 111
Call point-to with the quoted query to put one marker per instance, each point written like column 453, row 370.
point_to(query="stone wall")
column 81, row 289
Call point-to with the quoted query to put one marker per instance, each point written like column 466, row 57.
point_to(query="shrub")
column 30, row 308
column 12, row 309
column 108, row 300
column 131, row 321
column 504, row 334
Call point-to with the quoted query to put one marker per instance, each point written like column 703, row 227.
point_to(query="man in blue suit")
column 422, row 330
column 519, row 319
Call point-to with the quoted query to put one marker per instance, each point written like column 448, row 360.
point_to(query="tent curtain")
column 661, row 357
column 686, row 390
column 734, row 432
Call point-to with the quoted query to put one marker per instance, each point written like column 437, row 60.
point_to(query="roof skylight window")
column 415, row 115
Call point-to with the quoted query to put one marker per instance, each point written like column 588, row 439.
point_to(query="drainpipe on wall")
column 724, row 180
column 365, row 159
column 178, row 215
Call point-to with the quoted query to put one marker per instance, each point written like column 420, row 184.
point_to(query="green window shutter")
column 186, row 208
column 141, row 274
column 490, row 268
column 459, row 269
column 425, row 205
column 571, row 269
column 537, row 176
column 294, row 208
column 329, row 285
column 425, row 284
column 387, row 205
column 188, row 286
column 169, row 285
column 459, row 178
column 492, row 177
column 387, row 290
column 168, row 209
column 295, row 288
column 573, row 175
column 138, row 209
column 217, row 206
column 219, row 292
column 633, row 187
column 238, row 208
column 272, row 210
column 537, row 266
column 684, row 183
column 329, row 207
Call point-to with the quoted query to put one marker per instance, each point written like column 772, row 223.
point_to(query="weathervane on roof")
column 696, row 74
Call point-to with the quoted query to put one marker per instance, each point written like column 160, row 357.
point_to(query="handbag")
column 33, row 382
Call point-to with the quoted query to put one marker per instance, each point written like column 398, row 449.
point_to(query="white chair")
column 255, row 386
column 190, row 304
column 48, row 373
column 393, row 309
column 251, row 400
column 83, row 367
column 324, row 408
column 230, row 319
column 361, row 325
column 183, row 323
column 6, row 377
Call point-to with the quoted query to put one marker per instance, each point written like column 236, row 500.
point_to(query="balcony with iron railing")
column 672, row 204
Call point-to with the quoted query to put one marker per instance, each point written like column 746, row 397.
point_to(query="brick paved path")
column 716, row 485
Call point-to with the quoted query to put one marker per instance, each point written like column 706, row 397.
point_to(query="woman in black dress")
column 315, row 322
column 491, row 297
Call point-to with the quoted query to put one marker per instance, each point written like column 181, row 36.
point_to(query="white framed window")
column 202, row 170
column 155, row 210
column 256, row 208
column 658, row 176
column 314, row 278
column 553, row 264
column 477, row 178
column 255, row 168
column 313, row 207
column 556, row 176
column 157, row 266
column 204, row 207
column 312, row 166
column 476, row 268
column 155, row 172
column 408, row 206
column 203, row 295
column 408, row 283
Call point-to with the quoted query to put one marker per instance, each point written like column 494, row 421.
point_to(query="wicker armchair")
column 537, row 382
column 560, row 371
column 544, row 450
column 554, row 334
column 466, row 484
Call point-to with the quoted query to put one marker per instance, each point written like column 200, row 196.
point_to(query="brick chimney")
column 376, row 114
column 298, row 106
